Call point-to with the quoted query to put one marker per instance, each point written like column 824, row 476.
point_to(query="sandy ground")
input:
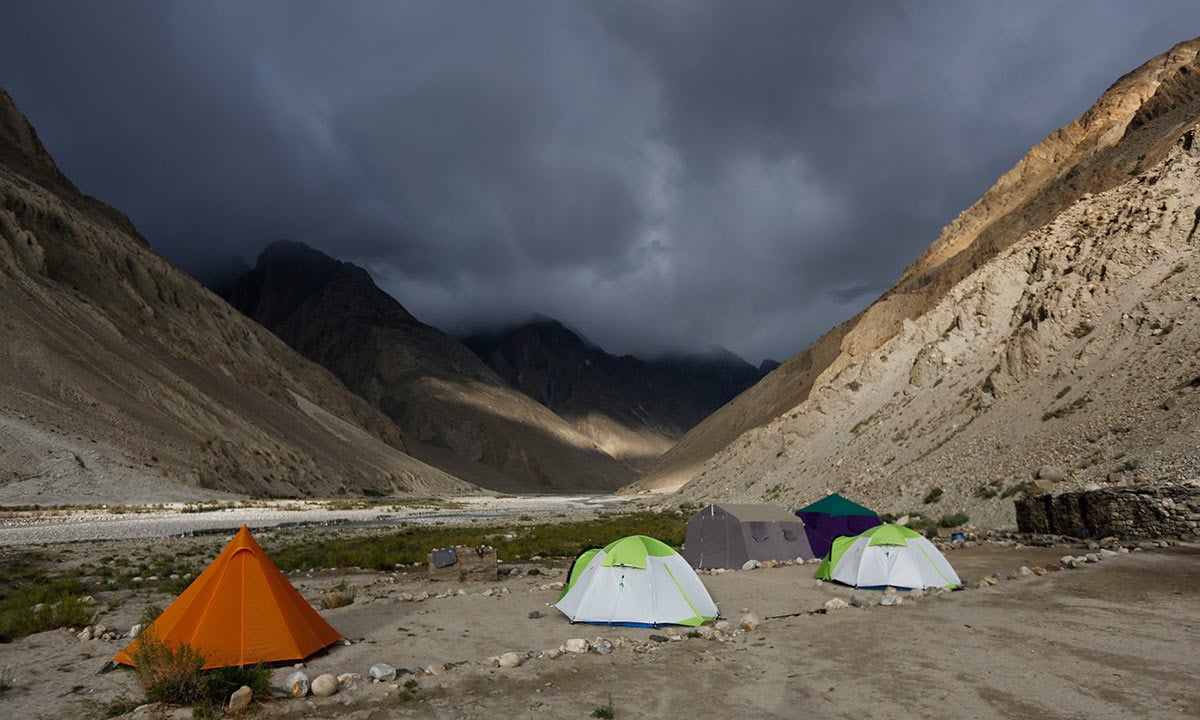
column 1116, row 639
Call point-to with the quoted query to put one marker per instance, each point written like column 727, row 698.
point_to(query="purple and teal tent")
column 832, row 517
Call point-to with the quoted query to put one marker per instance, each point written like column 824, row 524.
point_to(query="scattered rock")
column 298, row 684
column 1024, row 571
column 723, row 626
column 348, row 680
column 553, row 653
column 860, row 600
column 511, row 660
column 240, row 699
column 890, row 599
column 437, row 670
column 85, row 634
column 534, row 615
column 659, row 638
column 602, row 647
column 1053, row 473
column 751, row 565
column 136, row 629
column 1091, row 558
column 1068, row 562
column 382, row 672
column 577, row 646
column 836, row 604
column 749, row 622
column 325, row 685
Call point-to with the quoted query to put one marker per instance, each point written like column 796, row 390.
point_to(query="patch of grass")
column 411, row 545
column 120, row 705
column 409, row 691
column 30, row 610
column 987, row 491
column 953, row 520
column 934, row 495
column 1059, row 395
column 854, row 385
column 694, row 634
column 605, row 711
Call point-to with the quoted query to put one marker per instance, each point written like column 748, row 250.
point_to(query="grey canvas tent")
column 726, row 536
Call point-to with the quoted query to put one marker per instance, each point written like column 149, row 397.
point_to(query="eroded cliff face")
column 1065, row 292
column 122, row 378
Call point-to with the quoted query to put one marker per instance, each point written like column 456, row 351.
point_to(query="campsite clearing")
column 1110, row 639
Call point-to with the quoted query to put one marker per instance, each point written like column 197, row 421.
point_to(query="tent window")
column 789, row 535
column 760, row 531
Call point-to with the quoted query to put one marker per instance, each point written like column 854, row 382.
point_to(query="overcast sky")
column 662, row 176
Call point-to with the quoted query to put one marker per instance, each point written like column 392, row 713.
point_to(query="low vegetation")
column 933, row 496
column 173, row 675
column 339, row 595
column 33, row 609
column 1066, row 410
column 6, row 680
column 412, row 545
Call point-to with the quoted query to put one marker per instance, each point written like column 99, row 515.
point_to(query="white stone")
column 382, row 672
column 577, row 645
column 836, row 604
column 325, row 685
column 749, row 621
column 511, row 660
column 890, row 599
column 751, row 565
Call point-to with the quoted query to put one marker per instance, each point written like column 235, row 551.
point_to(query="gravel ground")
column 71, row 526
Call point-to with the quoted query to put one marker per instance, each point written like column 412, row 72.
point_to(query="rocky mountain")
column 123, row 380
column 633, row 409
column 1052, row 325
column 455, row 412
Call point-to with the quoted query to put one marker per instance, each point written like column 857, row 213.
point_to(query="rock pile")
column 1127, row 513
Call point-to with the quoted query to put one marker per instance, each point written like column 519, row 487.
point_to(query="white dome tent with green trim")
column 887, row 555
column 638, row 581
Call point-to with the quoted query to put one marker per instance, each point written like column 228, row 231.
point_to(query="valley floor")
column 1115, row 639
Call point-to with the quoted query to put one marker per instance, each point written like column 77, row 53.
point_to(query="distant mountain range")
column 634, row 409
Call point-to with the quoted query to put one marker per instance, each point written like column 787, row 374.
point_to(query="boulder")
column 749, row 622
column 1067, row 562
column 325, row 685
column 861, row 600
column 1051, row 473
column 382, row 672
column 511, row 660
column 890, row 599
column 298, row 683
column 577, row 646
column 751, row 565
column 240, row 699
column 836, row 604
column 601, row 646
column 437, row 670
column 1091, row 558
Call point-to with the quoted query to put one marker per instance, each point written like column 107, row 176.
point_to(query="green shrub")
column 168, row 674
column 954, row 520
column 605, row 712
column 933, row 496
column 174, row 675
column 1082, row 330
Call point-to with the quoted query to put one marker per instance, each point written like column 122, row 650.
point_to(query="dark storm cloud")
column 662, row 176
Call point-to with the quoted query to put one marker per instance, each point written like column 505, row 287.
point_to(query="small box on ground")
column 463, row 563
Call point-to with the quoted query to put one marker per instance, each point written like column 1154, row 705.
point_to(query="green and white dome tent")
column 637, row 581
column 887, row 555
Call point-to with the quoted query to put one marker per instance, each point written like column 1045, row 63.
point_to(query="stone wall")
column 1126, row 513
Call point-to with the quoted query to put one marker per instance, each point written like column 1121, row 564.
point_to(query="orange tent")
column 240, row 611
